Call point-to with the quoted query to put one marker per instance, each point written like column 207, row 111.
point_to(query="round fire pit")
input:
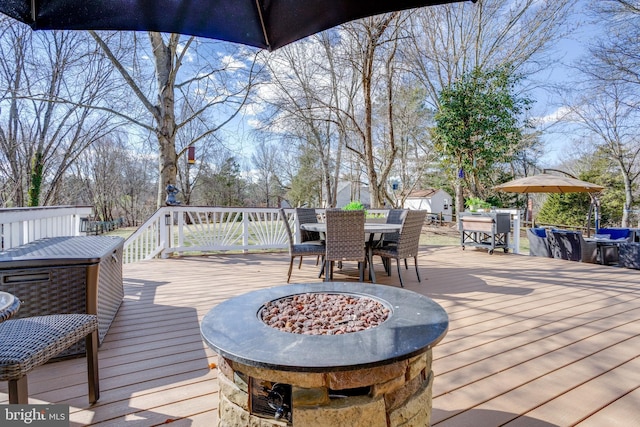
column 363, row 377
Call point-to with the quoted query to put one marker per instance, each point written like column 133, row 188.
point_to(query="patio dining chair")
column 310, row 248
column 538, row 242
column 308, row 216
column 395, row 216
column 407, row 245
column 344, row 240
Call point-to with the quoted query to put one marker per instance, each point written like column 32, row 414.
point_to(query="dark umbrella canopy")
column 267, row 24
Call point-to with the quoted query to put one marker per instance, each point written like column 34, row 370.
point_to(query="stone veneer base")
column 399, row 395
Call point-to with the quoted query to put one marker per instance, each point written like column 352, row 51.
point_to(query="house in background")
column 431, row 200
column 350, row 191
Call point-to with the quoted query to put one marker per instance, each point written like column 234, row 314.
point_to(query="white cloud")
column 561, row 114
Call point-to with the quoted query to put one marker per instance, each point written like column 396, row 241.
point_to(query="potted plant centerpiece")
column 357, row 205
column 476, row 204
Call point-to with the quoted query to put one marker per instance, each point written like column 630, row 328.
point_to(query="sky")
column 549, row 106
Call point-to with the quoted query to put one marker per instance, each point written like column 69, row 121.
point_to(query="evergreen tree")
column 478, row 125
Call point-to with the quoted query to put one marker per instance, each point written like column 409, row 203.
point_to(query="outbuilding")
column 434, row 201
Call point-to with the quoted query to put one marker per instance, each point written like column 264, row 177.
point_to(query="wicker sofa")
column 570, row 245
column 616, row 233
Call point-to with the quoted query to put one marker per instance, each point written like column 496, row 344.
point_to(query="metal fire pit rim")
column 233, row 330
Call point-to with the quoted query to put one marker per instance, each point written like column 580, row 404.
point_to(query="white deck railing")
column 174, row 229
column 192, row 229
column 181, row 229
column 19, row 226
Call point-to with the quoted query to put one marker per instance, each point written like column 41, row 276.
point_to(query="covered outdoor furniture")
column 609, row 240
column 538, row 242
column 629, row 255
column 570, row 245
column 344, row 240
column 309, row 248
column 407, row 245
column 32, row 341
column 621, row 234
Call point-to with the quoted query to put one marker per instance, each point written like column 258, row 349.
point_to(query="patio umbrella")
column 547, row 183
column 267, row 24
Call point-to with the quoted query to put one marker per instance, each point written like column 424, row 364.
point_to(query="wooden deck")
column 532, row 341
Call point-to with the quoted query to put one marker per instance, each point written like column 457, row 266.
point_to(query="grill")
column 489, row 230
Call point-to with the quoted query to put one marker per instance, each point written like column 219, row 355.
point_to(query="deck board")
column 532, row 341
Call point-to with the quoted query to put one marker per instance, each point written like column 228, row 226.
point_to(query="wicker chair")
column 395, row 216
column 344, row 240
column 315, row 248
column 408, row 243
column 30, row 342
column 308, row 216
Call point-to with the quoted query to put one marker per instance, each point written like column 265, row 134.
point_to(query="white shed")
column 348, row 192
column 431, row 200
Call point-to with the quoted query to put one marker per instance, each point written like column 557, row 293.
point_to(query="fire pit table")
column 351, row 374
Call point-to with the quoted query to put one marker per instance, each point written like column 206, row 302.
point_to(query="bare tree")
column 214, row 89
column 47, row 80
column 616, row 53
column 266, row 163
column 446, row 42
column 609, row 111
column 302, row 90
column 605, row 111
column 415, row 154
column 370, row 48
column 337, row 90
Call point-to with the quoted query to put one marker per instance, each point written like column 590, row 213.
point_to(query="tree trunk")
column 459, row 198
column 165, row 110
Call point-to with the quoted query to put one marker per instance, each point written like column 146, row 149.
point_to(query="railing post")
column 165, row 232
column 516, row 233
column 245, row 232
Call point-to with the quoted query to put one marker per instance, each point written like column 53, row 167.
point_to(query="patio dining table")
column 9, row 305
column 371, row 229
